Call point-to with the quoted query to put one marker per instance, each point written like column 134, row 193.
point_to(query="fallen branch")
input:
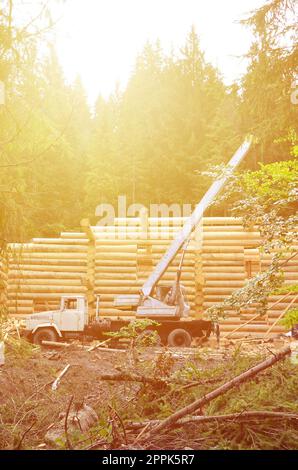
column 243, row 416
column 141, row 433
column 56, row 344
column 120, row 421
column 96, row 346
column 101, row 442
column 199, row 403
column 111, row 350
column 18, row 446
column 126, row 377
column 57, row 381
column 69, row 445
column 253, row 340
column 176, row 351
column 59, row 344
column 187, row 385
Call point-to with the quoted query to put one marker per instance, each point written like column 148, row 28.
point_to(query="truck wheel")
column 179, row 338
column 44, row 334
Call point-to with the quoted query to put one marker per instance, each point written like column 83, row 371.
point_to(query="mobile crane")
column 166, row 304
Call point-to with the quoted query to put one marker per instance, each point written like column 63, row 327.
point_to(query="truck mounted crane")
column 167, row 304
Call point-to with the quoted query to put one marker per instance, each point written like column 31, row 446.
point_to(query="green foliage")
column 285, row 290
column 59, row 159
column 133, row 329
column 266, row 109
column 272, row 183
column 256, row 290
column 266, row 198
column 138, row 335
column 290, row 319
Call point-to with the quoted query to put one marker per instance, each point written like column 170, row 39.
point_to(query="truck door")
column 71, row 315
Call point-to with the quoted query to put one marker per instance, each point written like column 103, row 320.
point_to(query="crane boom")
column 193, row 221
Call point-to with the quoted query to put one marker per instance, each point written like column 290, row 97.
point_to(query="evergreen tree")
column 267, row 110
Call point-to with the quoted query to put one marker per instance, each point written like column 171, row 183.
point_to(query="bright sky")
column 100, row 39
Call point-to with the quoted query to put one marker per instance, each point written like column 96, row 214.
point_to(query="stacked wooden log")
column 3, row 283
column 238, row 257
column 40, row 271
column 127, row 252
column 117, row 259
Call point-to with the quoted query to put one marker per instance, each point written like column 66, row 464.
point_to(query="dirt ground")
column 25, row 387
column 29, row 407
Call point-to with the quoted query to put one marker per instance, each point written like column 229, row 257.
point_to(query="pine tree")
column 267, row 111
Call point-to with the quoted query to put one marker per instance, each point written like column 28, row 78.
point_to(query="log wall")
column 3, row 283
column 117, row 259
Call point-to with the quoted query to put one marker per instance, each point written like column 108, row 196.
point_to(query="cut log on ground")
column 55, row 344
column 57, row 381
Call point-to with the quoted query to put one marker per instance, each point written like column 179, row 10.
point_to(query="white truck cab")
column 49, row 325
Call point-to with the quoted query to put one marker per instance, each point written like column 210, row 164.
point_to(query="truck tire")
column 179, row 338
column 44, row 334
